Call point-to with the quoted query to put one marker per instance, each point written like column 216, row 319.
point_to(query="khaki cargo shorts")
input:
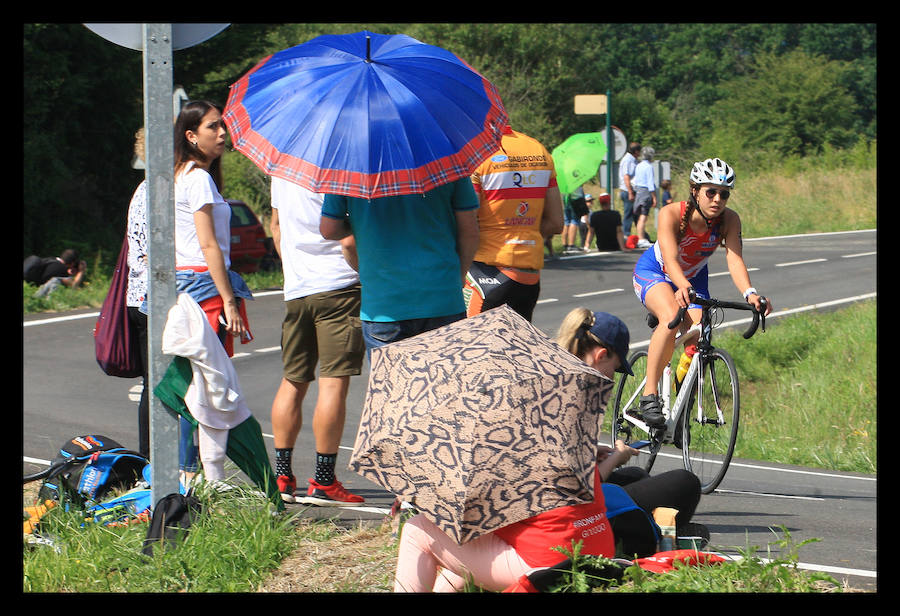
column 324, row 329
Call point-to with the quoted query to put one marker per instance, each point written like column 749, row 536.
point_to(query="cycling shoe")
column 651, row 410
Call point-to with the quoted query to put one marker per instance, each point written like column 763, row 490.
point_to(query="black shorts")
column 487, row 287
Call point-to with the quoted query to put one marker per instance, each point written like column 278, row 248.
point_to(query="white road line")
column 859, row 254
column 799, row 262
column 780, row 470
column 88, row 315
column 268, row 349
column 597, row 292
column 70, row 317
column 770, row 495
column 787, row 237
column 725, row 273
column 802, row 472
column 830, row 569
column 36, row 461
column 812, row 567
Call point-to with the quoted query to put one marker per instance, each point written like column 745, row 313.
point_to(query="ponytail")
column 686, row 217
column 574, row 335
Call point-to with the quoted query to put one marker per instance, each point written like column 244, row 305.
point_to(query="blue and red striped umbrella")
column 365, row 115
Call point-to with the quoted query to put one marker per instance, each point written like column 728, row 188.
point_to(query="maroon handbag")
column 115, row 342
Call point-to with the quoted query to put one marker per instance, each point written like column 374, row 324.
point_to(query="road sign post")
column 157, row 41
column 599, row 104
column 158, row 121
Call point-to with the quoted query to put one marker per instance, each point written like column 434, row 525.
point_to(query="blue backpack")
column 86, row 469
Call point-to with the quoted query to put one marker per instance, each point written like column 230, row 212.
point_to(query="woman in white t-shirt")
column 203, row 233
column 203, row 221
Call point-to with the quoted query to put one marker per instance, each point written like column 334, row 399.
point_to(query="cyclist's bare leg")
column 660, row 300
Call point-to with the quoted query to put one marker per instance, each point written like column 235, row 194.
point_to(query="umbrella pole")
column 368, row 48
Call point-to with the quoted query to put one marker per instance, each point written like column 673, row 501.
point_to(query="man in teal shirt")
column 414, row 252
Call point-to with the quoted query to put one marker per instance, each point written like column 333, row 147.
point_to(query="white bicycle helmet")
column 713, row 171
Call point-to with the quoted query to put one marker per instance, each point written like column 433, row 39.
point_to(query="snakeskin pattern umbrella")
column 481, row 423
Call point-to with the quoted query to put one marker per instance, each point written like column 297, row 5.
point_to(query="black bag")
column 579, row 206
column 87, row 468
column 32, row 268
column 172, row 517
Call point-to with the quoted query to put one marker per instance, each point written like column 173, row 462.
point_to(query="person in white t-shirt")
column 203, row 221
column 203, row 239
column 627, row 193
column 644, row 182
column 321, row 327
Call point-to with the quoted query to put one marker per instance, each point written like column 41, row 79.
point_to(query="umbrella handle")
column 368, row 48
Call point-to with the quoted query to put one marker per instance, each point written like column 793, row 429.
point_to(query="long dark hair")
column 189, row 119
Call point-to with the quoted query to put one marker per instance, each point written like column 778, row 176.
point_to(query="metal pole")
column 157, row 39
column 610, row 146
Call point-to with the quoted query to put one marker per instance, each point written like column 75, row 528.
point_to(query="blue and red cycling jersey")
column 694, row 251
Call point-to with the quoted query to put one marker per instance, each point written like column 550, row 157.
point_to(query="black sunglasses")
column 724, row 193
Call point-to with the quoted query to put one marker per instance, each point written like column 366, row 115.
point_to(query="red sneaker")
column 287, row 485
column 334, row 495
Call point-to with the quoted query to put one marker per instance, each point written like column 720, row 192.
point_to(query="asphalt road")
column 65, row 393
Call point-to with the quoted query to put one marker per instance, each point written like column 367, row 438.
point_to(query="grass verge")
column 809, row 390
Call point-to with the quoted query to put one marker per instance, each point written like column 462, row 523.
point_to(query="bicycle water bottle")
column 684, row 363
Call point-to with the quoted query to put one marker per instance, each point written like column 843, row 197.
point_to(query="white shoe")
column 643, row 243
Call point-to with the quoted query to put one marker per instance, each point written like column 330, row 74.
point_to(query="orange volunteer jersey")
column 512, row 185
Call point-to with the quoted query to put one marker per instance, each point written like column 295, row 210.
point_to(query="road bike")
column 703, row 414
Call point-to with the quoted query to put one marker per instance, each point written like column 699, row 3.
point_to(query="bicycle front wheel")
column 709, row 425
column 627, row 399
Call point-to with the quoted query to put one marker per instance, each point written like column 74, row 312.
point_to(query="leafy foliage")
column 688, row 89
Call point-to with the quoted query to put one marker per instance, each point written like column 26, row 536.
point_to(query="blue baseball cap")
column 610, row 330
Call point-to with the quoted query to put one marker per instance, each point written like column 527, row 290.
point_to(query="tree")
column 793, row 103
column 82, row 106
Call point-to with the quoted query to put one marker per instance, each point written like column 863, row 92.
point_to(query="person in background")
column 321, row 327
column 626, row 189
column 605, row 227
column 645, row 197
column 136, row 294
column 429, row 560
column 520, row 206
column 588, row 234
column 666, row 197
column 573, row 209
column 67, row 269
column 414, row 253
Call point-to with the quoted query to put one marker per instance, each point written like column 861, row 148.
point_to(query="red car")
column 248, row 238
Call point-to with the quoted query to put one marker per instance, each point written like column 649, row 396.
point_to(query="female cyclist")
column 688, row 233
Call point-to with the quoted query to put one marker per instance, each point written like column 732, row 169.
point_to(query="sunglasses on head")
column 724, row 193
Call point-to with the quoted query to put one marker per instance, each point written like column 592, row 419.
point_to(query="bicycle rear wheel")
column 709, row 424
column 627, row 399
